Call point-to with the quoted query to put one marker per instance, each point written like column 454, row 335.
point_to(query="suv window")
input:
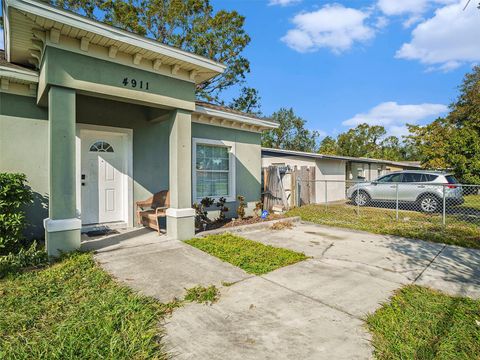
column 391, row 178
column 428, row 177
column 451, row 179
column 396, row 178
column 385, row 178
column 412, row 177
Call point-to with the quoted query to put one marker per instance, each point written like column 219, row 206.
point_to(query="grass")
column 201, row 294
column 472, row 202
column 251, row 256
column 420, row 323
column 411, row 224
column 73, row 309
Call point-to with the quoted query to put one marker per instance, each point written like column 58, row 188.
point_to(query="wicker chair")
column 148, row 211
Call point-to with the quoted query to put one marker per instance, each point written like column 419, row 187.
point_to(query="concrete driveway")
column 310, row 310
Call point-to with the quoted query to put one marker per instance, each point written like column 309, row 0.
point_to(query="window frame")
column 232, row 196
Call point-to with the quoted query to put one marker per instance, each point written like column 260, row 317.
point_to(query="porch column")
column 180, row 215
column 62, row 228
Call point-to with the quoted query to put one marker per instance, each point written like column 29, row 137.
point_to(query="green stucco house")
column 99, row 118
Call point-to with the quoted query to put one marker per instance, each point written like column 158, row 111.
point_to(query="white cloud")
column 2, row 46
column 447, row 40
column 333, row 26
column 381, row 22
column 394, row 116
column 283, row 2
column 414, row 9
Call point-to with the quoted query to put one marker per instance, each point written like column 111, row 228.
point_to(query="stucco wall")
column 92, row 75
column 248, row 160
column 334, row 172
column 23, row 148
column 325, row 169
column 150, row 140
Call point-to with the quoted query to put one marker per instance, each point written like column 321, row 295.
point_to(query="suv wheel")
column 361, row 198
column 429, row 204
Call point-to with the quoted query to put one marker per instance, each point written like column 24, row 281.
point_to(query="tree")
column 362, row 141
column 431, row 142
column 191, row 25
column 248, row 101
column 291, row 133
column 454, row 141
column 328, row 146
column 367, row 141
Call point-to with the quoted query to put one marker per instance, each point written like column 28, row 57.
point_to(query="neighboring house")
column 99, row 118
column 339, row 171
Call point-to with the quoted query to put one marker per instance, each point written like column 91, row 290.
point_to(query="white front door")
column 103, row 165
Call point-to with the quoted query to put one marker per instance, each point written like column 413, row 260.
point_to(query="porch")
column 107, row 154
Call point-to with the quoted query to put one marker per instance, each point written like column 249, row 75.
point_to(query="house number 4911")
column 134, row 83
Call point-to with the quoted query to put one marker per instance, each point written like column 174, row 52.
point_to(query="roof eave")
column 335, row 157
column 55, row 14
column 236, row 117
column 24, row 75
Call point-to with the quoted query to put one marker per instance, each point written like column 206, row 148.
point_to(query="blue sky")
column 338, row 64
column 354, row 70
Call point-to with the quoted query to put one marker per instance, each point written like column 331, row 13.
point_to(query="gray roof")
column 270, row 151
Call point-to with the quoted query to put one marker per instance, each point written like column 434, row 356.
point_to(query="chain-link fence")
column 439, row 203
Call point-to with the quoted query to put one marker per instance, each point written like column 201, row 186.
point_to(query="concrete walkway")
column 310, row 310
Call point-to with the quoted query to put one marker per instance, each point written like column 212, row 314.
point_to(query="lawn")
column 411, row 224
column 251, row 256
column 422, row 324
column 472, row 202
column 73, row 309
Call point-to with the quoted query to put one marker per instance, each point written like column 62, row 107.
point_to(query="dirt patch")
column 281, row 225
column 245, row 221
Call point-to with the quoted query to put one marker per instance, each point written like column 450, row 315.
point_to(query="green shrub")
column 201, row 213
column 14, row 195
column 31, row 257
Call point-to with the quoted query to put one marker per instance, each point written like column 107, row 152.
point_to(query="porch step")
column 104, row 227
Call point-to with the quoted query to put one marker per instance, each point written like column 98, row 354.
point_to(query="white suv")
column 422, row 188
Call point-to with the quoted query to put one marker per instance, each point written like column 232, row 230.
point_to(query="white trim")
column 128, row 185
column 23, row 75
column 180, row 213
column 232, row 196
column 77, row 21
column 235, row 117
column 56, row 225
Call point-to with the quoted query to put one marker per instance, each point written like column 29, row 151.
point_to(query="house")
column 99, row 118
column 333, row 173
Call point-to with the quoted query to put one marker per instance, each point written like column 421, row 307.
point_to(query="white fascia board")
column 235, row 117
column 77, row 21
column 335, row 157
column 24, row 75
column 6, row 30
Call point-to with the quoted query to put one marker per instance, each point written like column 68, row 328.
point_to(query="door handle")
column 421, row 186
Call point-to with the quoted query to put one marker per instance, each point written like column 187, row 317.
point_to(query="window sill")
column 216, row 198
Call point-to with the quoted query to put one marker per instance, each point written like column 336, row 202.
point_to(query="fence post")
column 358, row 203
column 298, row 192
column 326, row 194
column 396, row 202
column 443, row 207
